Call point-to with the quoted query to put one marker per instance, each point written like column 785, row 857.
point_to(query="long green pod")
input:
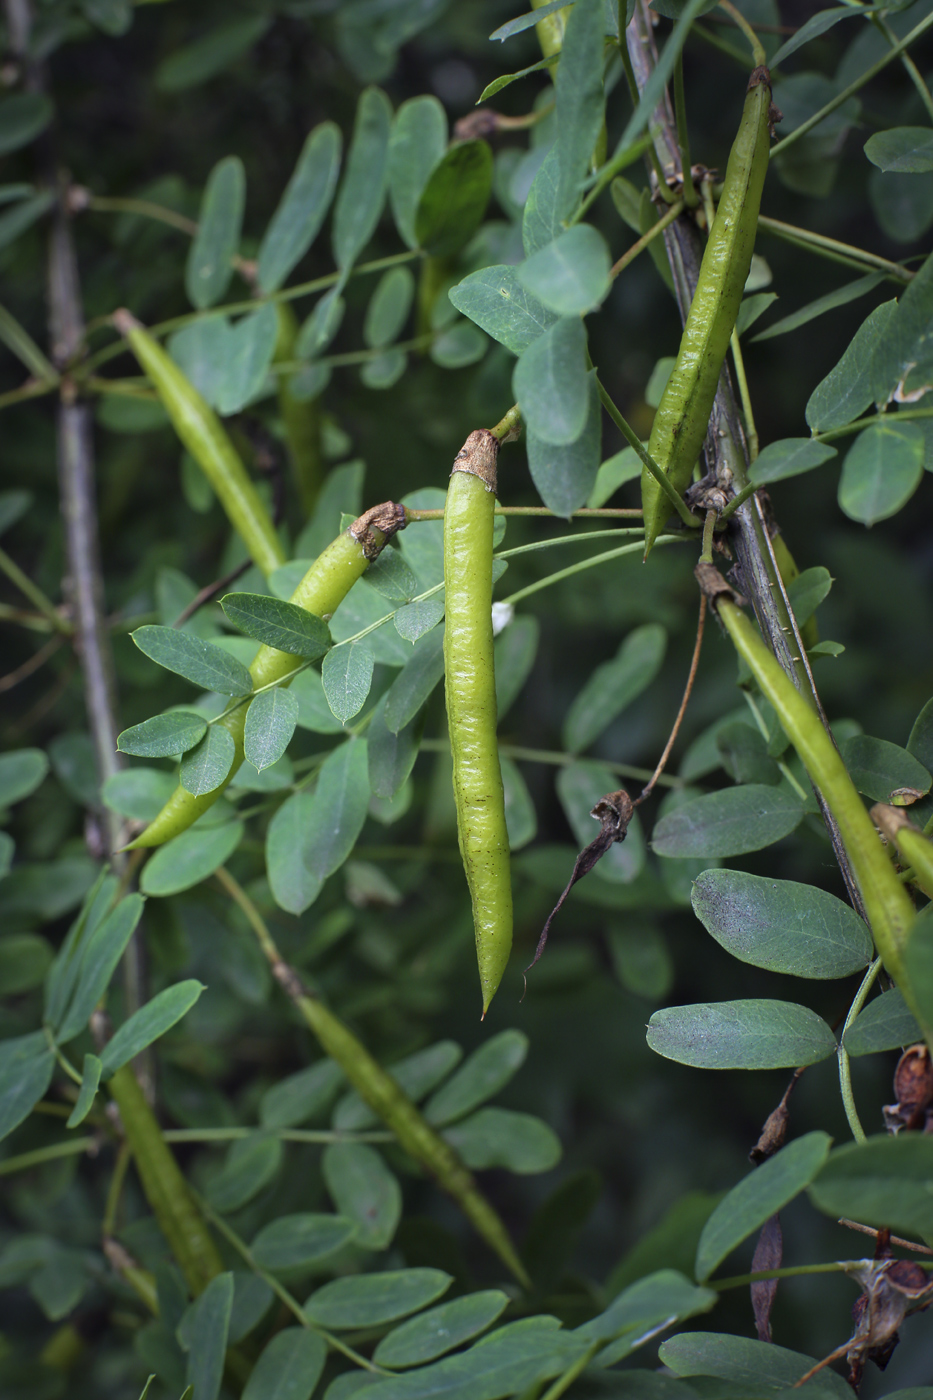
column 683, row 414
column 890, row 911
column 301, row 418
column 321, row 591
column 470, row 686
column 202, row 432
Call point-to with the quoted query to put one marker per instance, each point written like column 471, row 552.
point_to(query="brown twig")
column 892, row 1239
column 22, row 673
column 210, row 592
column 662, row 761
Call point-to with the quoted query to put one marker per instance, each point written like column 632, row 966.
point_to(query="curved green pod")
column 321, row 591
column 470, row 686
column 683, row 414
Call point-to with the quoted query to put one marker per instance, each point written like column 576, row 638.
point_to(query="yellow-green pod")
column 470, row 686
column 321, row 591
column 202, row 432
column 912, row 846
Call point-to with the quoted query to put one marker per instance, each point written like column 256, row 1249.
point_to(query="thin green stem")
column 307, row 1135
column 567, row 539
column 586, row 564
column 706, row 553
column 910, row 68
column 523, row 755
column 642, row 243
column 70, row 1148
column 795, row 1271
column 146, row 208
column 648, row 461
column 859, row 423
column 32, row 389
column 748, row 413
column 841, row 97
column 620, row 161
column 132, row 387
column 759, row 57
column 509, row 425
column 635, row 97
column 845, row 1076
column 566, row 1380
column 115, row 1190
column 723, row 45
column 32, row 591
column 855, row 257
column 602, row 513
column 691, row 198
column 782, row 766
column 353, row 357
column 737, row 501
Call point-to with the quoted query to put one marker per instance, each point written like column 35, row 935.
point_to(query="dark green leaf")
column 497, row 302
column 300, row 1096
column 760, row 1368
column 200, row 662
column 293, row 1241
column 359, row 610
column 459, row 345
column 302, row 208
column 541, row 219
column 25, row 958
column 729, row 823
column 520, row 819
column 148, row 1023
column 190, row 858
column 388, row 308
column 564, row 476
column 103, row 950
column 672, row 1243
column 640, row 956
column 270, row 724
column 579, row 787
column 505, row 79
column 140, row 793
column 67, row 966
column 751, row 308
column 22, row 117
column 415, row 682
column 907, row 150
column 204, row 768
column 206, row 1330
column 340, row 801
column 789, row 457
column 781, row 925
column 313, row 710
column 384, row 370
column 497, row 1137
column 417, row 143
column 363, row 188
column 481, row 1077
column 74, row 765
column 319, row 329
column 644, row 1308
column 21, row 772
column 294, row 886
column 278, row 624
column 523, row 22
column 851, row 291
column 614, row 685
column 210, row 260
column 13, row 504
column 877, row 767
column 885, row 1024
column 765, row 1191
column 347, row 675
column 920, row 743
column 252, row 1298
column 369, row 1300
column 807, row 591
column 195, row 63
column 515, row 650
column 813, row 27
column 391, row 756
column 745, row 755
column 416, row 1076
column 90, row 1078
column 26, row 1065
column 848, row 389
column 551, row 383
column 366, row 1192
column 454, row 199
column 886, row 1182
column 247, row 355
column 580, row 99
column 392, row 577
column 614, row 472
column 741, row 1035
column 251, row 1165
column 163, row 736
column 440, row 1330
column 881, row 471
column 903, row 206
column 289, row 1367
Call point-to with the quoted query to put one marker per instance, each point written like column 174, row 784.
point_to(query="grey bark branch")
column 726, row 446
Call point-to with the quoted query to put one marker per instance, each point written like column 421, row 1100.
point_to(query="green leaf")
column 781, row 925
column 278, row 624
column 877, row 767
column 416, row 1076
column 313, row 710
column 454, row 200
column 270, row 724
column 729, row 823
column 391, row 756
column 765, row 1191
column 505, row 79
column 384, row 370
column 640, row 956
column 294, row 1241
column 848, row 389
column 551, row 383
column 194, row 64
column 580, row 100
column 752, row 308
column 359, row 610
column 807, row 591
column 812, row 28
column 745, row 756
column 363, row 188
column 496, row 301
column 508, row 1362
column 26, row 1064
column 885, row 1024
column 13, row 504
column 189, row 858
column 907, row 150
column 370, row 1300
column 302, row 208
column 205, row 767
column 515, row 650
column 459, row 345
column 526, row 21
column 417, row 143
column 294, row 886
column 851, row 291
column 479, row 1078
column 200, row 662
column 252, row 1298
column 148, row 1023
column 412, row 621
column 206, row 1330
column 340, row 802
column 366, row 1192
column 881, row 471
column 415, row 682
column 66, row 968
column 388, row 308
column 7, row 850
column 299, row 1097
column 902, row 205
column 90, row 1078
column 672, row 1243
column 103, row 950
column 347, row 675
column 210, row 259
column 247, row 355
column 886, row 1182
column 320, row 327
column 140, row 793
column 579, row 787
column 614, row 472
column 564, row 476
column 252, row 1163
column 22, row 117
column 754, row 1034
column 759, row 1368
column 920, row 743
column 541, row 218
column 918, row 968
column 614, row 685
column 497, row 1137
column 440, row 1330
column 392, row 577
column 21, row 772
column 642, row 1309
column 25, row 958
column 789, row 457
column 74, row 765
column 520, row 819
column 289, row 1367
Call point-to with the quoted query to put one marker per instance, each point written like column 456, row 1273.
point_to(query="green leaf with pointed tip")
column 206, row 1329
column 204, row 768
column 417, row 618
column 416, row 681
column 102, row 952
column 370, row 1300
column 661, row 1298
column 565, row 476
column 293, row 1241
column 497, row 1137
column 21, row 772
column 391, row 576
column 882, row 470
column 454, row 199
column 417, row 143
column 163, row 736
column 391, row 756
column 729, row 823
column 388, row 308
column 148, row 1023
column 251, row 1165
column 758, row 1368
column 850, row 291
column 90, row 1078
column 340, row 802
column 210, row 259
column 479, row 1078
column 278, row 624
column 849, row 388
column 496, row 301
column 907, row 150
column 765, row 1191
column 26, row 1064
column 789, row 457
column 614, row 685
column 289, row 1367
column 754, row 1034
column 347, row 675
column 363, row 188
column 877, row 767
column 886, row 1182
column 270, row 724
column 440, row 1330
column 302, row 208
column 294, row 886
column 189, row 858
column 200, row 662
column 551, row 383
column 580, row 99
column 364, row 1190
column 807, row 591
column 300, row 1097
column 884, row 1024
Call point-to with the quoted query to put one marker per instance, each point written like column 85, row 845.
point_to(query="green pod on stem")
column 912, row 846
column 683, row 414
column 470, row 687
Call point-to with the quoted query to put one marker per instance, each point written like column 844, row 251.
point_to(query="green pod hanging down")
column 683, row 414
column 321, row 591
column 470, row 686
column 202, row 432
